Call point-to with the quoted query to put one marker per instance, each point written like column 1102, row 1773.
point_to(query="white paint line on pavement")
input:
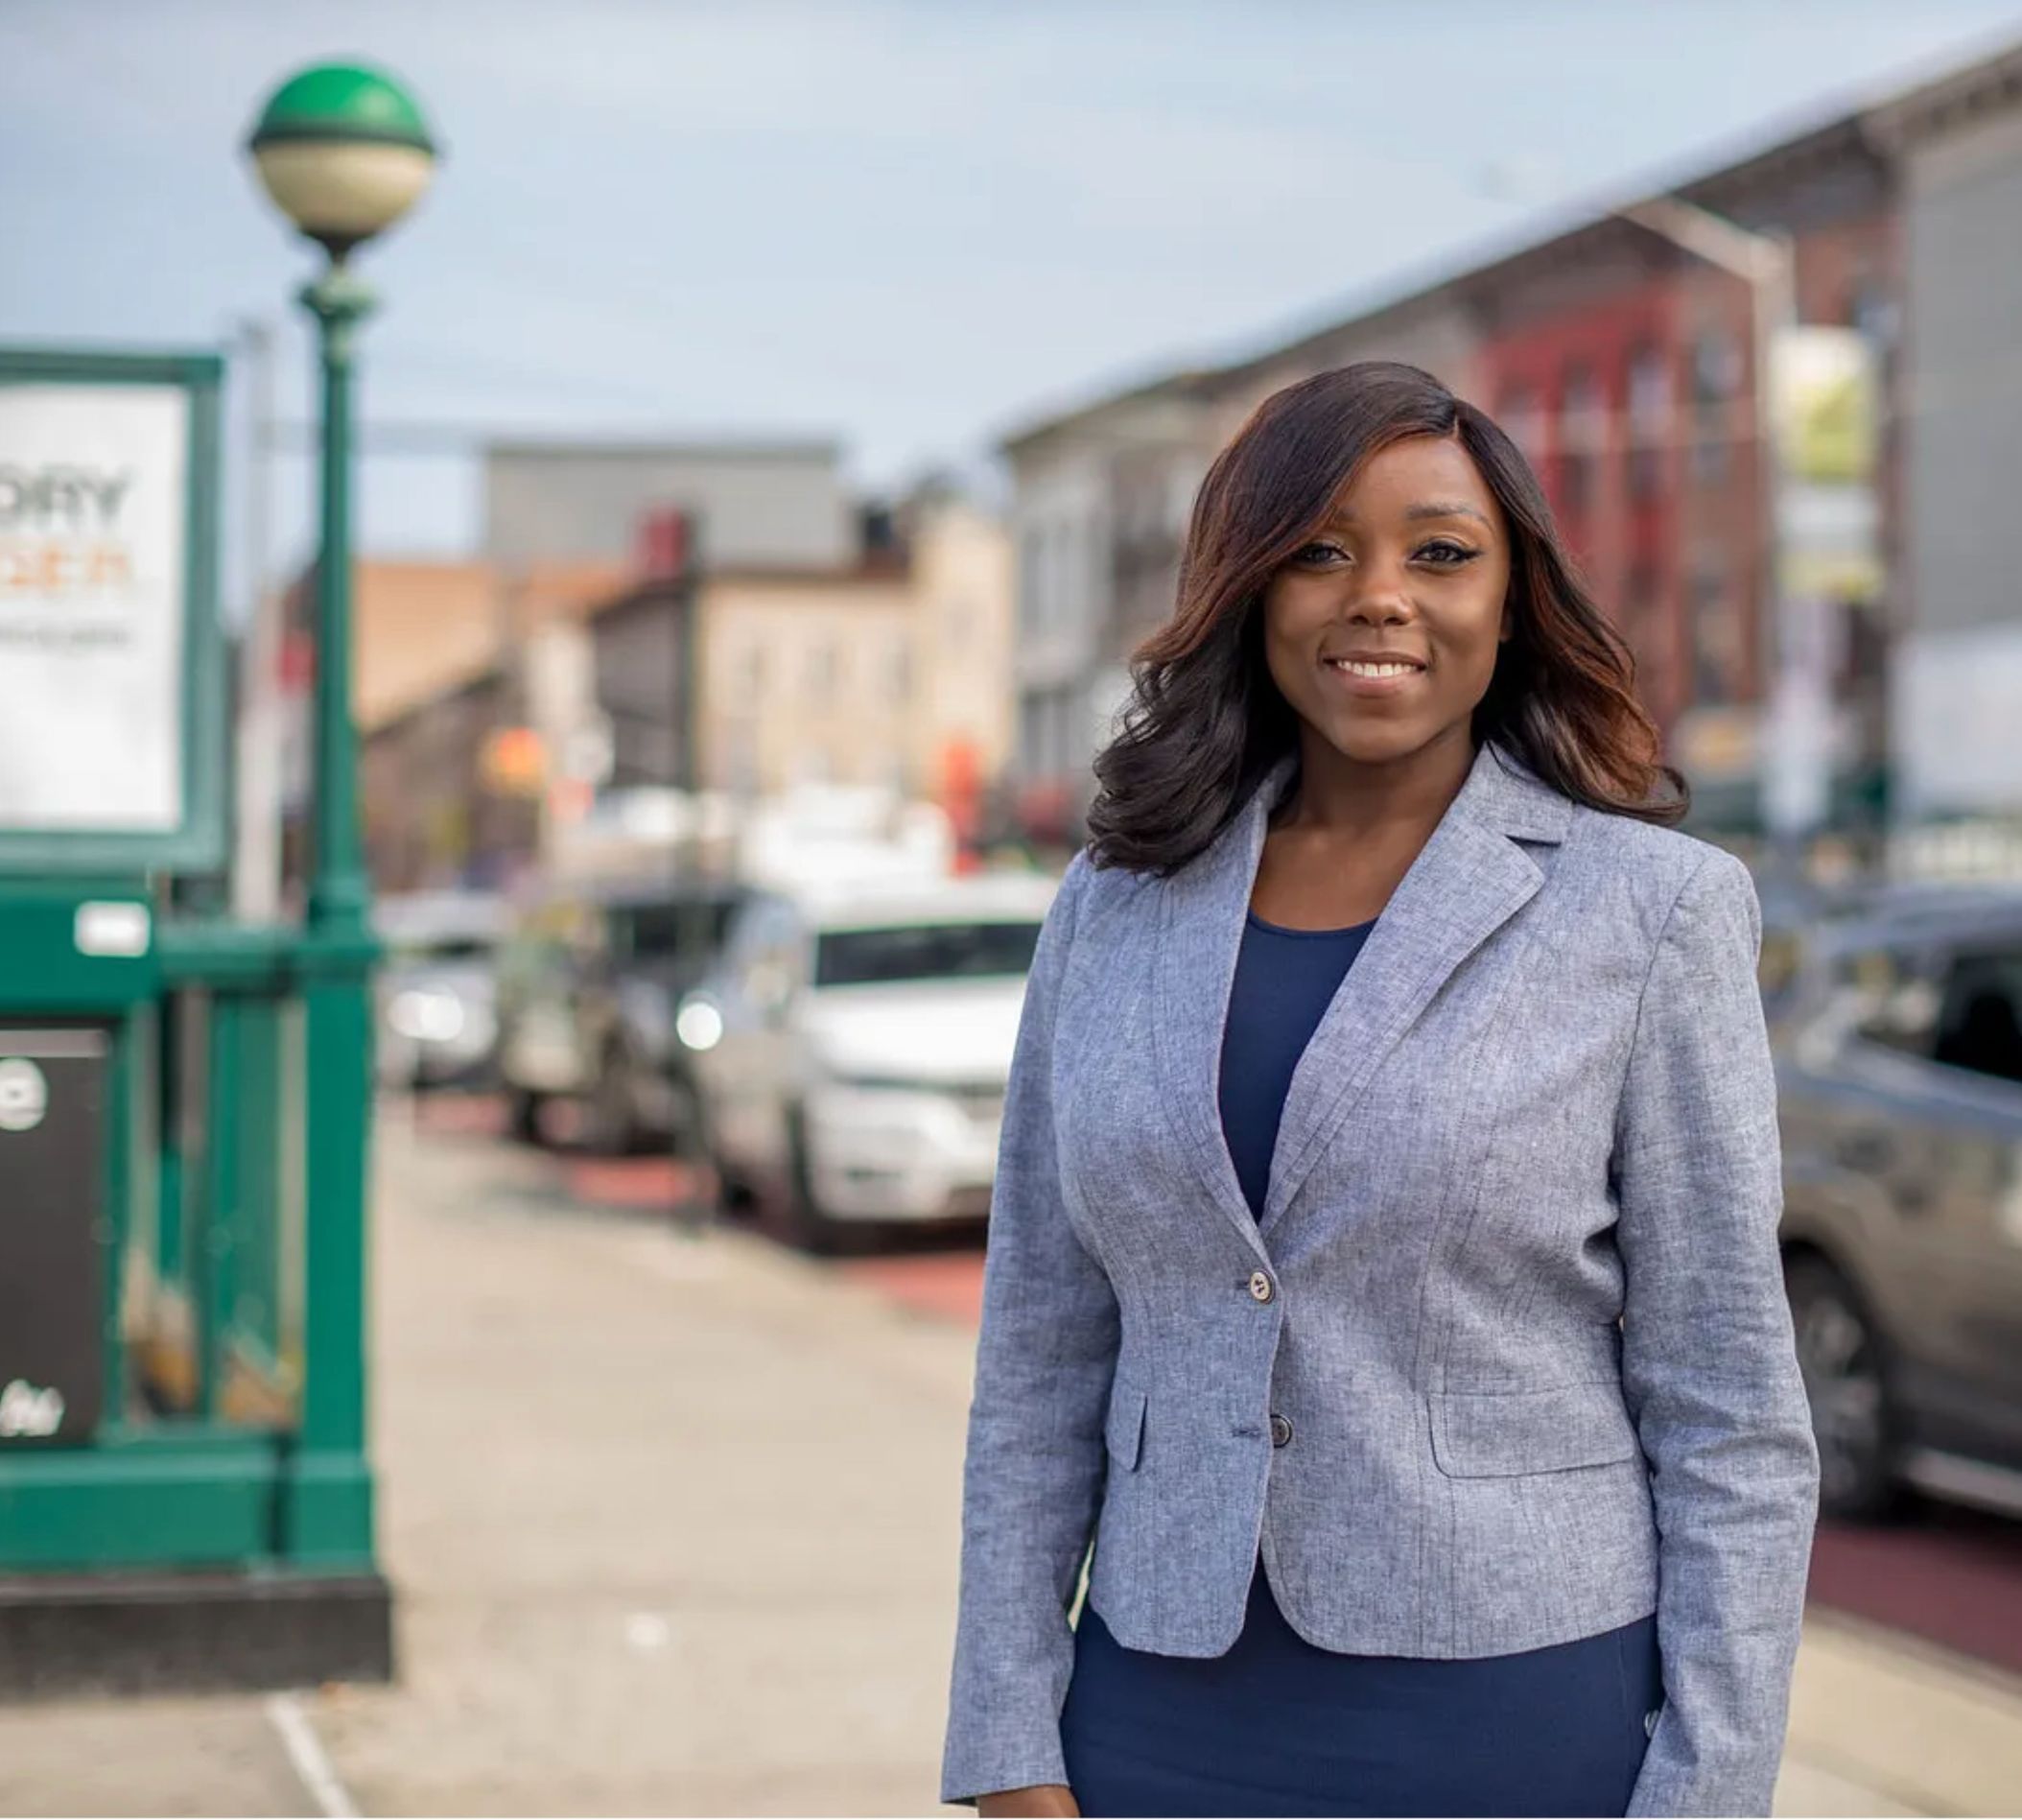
column 305, row 1751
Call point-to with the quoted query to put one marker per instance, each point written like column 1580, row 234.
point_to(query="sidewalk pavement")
column 673, row 1526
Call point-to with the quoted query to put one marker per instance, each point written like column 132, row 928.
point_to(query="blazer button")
column 1280, row 1429
column 1260, row 1285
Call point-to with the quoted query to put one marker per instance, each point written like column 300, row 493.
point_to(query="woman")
column 1383, row 1265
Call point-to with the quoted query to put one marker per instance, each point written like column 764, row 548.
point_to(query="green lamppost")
column 344, row 152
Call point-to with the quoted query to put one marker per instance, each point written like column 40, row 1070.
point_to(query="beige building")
column 420, row 628
column 894, row 670
column 966, row 587
column 808, row 679
column 440, row 663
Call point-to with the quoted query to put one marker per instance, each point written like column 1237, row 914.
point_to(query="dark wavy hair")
column 1205, row 721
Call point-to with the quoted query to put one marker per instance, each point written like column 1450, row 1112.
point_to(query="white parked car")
column 852, row 1045
column 435, row 989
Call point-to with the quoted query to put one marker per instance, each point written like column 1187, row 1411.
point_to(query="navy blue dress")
column 1280, row 1725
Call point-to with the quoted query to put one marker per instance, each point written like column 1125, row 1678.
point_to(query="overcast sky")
column 909, row 225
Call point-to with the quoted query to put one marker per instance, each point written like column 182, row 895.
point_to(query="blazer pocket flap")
column 1498, row 1433
column 1125, row 1429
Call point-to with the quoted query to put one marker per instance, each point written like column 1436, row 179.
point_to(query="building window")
column 1871, row 310
column 1582, row 428
column 1649, row 420
column 821, row 670
column 1864, row 665
column 744, row 755
column 1640, row 615
column 1715, row 647
column 1523, row 423
column 1031, row 731
column 1716, row 381
column 1031, row 557
column 1064, row 755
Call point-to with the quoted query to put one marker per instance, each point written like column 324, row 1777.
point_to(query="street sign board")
column 111, row 697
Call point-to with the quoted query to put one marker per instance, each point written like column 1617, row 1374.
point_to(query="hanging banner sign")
column 108, row 653
column 1826, row 415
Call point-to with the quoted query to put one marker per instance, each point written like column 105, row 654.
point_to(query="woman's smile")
column 1374, row 680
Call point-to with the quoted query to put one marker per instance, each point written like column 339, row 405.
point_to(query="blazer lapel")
column 1469, row 880
column 1202, row 907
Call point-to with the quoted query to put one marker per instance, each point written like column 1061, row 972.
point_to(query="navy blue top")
column 1285, row 981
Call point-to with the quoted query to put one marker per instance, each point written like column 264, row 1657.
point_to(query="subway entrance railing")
column 186, row 1497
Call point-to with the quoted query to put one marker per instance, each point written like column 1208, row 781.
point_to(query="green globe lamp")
column 343, row 152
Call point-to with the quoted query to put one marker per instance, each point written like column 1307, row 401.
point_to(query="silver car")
column 1900, row 1069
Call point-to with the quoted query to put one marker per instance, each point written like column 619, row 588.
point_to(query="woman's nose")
column 1385, row 592
column 1381, row 607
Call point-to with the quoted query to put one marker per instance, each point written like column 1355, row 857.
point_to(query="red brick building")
column 1624, row 365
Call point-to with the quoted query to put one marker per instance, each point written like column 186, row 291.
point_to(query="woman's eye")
column 1457, row 554
column 1315, row 554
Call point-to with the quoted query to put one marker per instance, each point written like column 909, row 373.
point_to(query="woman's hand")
column 1050, row 1798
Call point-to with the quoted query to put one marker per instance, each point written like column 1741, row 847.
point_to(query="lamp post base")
column 66, row 1635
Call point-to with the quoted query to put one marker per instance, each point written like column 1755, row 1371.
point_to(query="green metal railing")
column 233, row 1433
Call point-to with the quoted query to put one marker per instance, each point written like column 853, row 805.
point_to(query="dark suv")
column 589, row 981
column 1899, row 1060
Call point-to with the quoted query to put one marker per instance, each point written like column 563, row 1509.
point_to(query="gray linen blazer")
column 1515, row 1285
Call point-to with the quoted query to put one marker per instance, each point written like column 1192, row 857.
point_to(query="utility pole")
column 684, row 603
column 256, row 823
column 694, row 878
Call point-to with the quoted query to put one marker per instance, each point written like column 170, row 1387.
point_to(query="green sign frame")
column 197, row 843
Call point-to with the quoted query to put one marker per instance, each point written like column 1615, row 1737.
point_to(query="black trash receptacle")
column 52, row 1212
